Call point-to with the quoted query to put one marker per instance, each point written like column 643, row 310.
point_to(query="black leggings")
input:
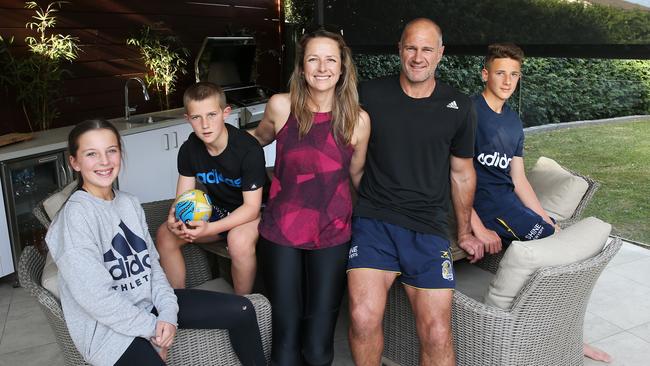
column 199, row 309
column 305, row 288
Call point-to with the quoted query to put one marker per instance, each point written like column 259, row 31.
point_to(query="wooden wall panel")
column 95, row 87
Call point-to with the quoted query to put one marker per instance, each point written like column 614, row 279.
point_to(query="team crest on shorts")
column 447, row 272
column 353, row 252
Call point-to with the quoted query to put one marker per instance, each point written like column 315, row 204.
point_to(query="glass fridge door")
column 27, row 182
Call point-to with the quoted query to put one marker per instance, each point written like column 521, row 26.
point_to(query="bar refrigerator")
column 25, row 182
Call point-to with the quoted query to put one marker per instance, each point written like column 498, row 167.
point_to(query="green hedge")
column 552, row 90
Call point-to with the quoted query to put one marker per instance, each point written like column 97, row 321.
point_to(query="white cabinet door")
column 149, row 168
column 6, row 259
column 180, row 135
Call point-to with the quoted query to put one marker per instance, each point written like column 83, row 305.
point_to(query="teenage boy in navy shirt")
column 505, row 205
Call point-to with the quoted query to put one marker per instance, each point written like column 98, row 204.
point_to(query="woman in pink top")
column 322, row 136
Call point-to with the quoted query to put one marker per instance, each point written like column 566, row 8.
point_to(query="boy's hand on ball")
column 195, row 230
column 175, row 226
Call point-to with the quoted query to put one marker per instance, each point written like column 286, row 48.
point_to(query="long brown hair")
column 345, row 108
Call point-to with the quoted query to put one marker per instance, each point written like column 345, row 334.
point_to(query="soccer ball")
column 193, row 205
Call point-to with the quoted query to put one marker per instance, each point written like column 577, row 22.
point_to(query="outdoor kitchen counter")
column 56, row 139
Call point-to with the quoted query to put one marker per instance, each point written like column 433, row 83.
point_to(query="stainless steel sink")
column 148, row 119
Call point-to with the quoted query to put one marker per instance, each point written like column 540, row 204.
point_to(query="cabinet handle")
column 166, row 142
column 47, row 159
column 175, row 140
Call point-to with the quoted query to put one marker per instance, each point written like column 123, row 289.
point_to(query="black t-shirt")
column 240, row 167
column 406, row 176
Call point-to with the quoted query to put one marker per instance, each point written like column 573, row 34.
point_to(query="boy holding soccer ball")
column 230, row 164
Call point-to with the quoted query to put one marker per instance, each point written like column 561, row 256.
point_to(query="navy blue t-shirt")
column 499, row 138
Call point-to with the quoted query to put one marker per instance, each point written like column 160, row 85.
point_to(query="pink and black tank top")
column 309, row 204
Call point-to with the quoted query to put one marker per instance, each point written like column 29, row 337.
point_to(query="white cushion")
column 559, row 191
column 583, row 240
column 49, row 279
column 53, row 203
column 216, row 285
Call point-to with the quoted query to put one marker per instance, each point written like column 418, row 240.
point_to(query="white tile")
column 6, row 292
column 21, row 295
column 625, row 310
column 4, row 309
column 629, row 253
column 611, row 284
column 45, row 355
column 597, row 328
column 625, row 348
column 637, row 271
column 26, row 332
column 642, row 331
column 23, row 310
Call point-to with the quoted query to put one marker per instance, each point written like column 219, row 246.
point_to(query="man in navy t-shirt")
column 505, row 205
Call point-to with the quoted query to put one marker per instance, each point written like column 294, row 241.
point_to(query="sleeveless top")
column 309, row 204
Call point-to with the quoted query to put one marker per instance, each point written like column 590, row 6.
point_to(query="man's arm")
column 463, row 185
column 247, row 212
column 524, row 191
column 360, row 142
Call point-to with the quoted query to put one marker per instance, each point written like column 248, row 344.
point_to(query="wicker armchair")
column 543, row 327
column 196, row 261
column 191, row 346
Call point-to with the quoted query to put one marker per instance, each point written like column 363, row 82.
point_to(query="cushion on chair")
column 53, row 203
column 575, row 243
column 49, row 279
column 559, row 191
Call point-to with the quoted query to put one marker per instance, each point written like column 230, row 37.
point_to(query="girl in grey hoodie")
column 118, row 305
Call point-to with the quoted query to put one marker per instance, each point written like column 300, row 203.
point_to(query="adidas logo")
column 452, row 105
column 133, row 255
column 254, row 186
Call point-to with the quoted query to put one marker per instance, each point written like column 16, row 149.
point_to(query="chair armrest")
column 212, row 346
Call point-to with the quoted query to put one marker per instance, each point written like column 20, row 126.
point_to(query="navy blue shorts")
column 421, row 260
column 519, row 223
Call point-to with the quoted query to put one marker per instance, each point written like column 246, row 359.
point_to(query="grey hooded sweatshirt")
column 109, row 275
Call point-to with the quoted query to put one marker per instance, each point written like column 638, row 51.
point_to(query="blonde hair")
column 345, row 108
column 204, row 90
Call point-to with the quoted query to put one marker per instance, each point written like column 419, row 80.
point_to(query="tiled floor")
column 618, row 319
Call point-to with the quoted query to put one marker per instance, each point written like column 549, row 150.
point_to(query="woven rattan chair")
column 491, row 261
column 543, row 327
column 191, row 346
column 196, row 261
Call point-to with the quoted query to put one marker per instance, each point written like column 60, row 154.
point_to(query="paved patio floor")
column 618, row 319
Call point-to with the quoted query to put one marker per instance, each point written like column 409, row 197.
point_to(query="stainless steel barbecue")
column 230, row 62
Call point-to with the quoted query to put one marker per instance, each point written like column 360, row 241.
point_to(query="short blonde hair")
column 204, row 90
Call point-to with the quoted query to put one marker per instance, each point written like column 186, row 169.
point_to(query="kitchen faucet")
column 127, row 109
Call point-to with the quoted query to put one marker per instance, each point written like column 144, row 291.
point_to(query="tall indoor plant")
column 38, row 76
column 164, row 58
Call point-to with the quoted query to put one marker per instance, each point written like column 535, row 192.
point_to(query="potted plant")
column 164, row 58
column 38, row 76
